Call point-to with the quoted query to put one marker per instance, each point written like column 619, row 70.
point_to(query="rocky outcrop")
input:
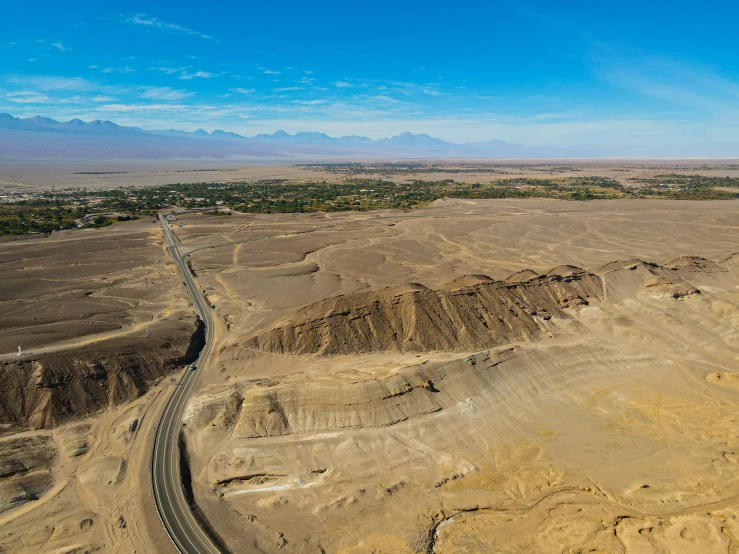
column 49, row 389
column 25, row 469
column 469, row 313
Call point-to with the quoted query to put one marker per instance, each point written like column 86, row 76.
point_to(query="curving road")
column 182, row 527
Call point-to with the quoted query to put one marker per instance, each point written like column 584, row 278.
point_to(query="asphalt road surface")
column 178, row 519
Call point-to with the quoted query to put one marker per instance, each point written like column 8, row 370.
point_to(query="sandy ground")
column 614, row 434
column 36, row 176
column 84, row 486
column 40, row 176
column 74, row 288
column 614, row 430
column 101, row 495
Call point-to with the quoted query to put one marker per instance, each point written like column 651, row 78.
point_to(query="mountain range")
column 45, row 138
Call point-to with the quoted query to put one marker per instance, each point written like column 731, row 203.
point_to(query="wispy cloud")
column 288, row 89
column 430, row 91
column 169, row 70
column 197, row 75
column 184, row 73
column 244, row 90
column 165, row 93
column 142, row 20
column 55, row 84
column 25, row 97
column 343, row 84
column 668, row 80
column 125, row 69
column 59, row 46
column 271, row 72
column 316, row 102
column 144, row 107
column 47, row 83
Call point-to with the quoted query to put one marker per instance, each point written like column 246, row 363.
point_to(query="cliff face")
column 45, row 390
column 468, row 313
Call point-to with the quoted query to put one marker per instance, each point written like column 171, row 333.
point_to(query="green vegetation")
column 57, row 210
column 680, row 186
column 23, row 220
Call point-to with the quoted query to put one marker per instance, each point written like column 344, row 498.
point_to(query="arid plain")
column 474, row 376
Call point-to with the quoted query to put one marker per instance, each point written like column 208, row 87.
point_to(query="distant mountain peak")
column 423, row 140
column 34, row 137
column 312, row 135
column 225, row 134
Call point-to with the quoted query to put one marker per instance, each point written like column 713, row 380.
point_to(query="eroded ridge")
column 471, row 312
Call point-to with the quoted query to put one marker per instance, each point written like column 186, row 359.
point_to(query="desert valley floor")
column 474, row 376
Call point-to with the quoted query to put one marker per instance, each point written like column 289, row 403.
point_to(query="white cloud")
column 197, row 75
column 271, row 72
column 430, row 91
column 170, row 70
column 46, row 83
column 244, row 90
column 309, row 102
column 77, row 99
column 26, row 97
column 343, row 84
column 115, row 69
column 143, row 107
column 153, row 23
column 52, row 83
column 184, row 73
column 59, row 46
column 288, row 89
column 165, row 93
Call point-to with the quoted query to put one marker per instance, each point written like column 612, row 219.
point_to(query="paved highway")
column 178, row 520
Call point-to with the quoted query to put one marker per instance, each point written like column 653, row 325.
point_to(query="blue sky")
column 537, row 73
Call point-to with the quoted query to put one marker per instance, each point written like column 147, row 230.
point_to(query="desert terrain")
column 102, row 320
column 477, row 376
column 473, row 376
column 20, row 177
